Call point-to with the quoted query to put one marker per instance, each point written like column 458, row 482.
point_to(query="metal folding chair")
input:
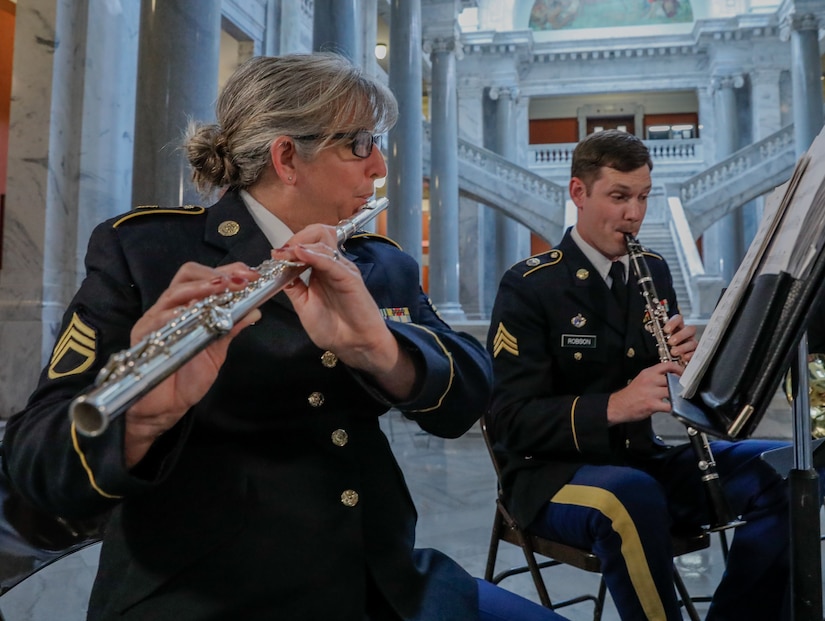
column 31, row 539
column 506, row 528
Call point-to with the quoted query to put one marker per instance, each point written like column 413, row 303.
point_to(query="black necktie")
column 619, row 288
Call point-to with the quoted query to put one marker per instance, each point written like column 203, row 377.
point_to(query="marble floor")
column 453, row 484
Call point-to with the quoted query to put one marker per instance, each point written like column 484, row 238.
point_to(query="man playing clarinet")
column 577, row 379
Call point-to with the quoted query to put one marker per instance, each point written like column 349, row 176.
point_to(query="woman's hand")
column 339, row 313
column 165, row 405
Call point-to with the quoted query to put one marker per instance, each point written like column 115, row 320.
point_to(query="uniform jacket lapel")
column 249, row 244
column 230, row 227
column 364, row 266
column 592, row 291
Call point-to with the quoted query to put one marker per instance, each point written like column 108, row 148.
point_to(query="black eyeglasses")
column 361, row 141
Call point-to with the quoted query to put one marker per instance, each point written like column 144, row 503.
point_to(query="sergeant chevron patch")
column 74, row 351
column 503, row 340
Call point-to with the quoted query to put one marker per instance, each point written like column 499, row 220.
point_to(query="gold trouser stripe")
column 86, row 466
column 632, row 551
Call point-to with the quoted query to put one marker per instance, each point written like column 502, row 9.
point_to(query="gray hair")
column 316, row 95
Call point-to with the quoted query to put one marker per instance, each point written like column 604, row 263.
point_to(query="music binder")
column 743, row 377
column 780, row 283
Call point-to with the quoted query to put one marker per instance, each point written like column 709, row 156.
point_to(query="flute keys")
column 316, row 399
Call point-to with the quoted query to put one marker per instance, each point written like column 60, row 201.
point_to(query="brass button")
column 339, row 437
column 228, row 228
column 349, row 498
column 316, row 399
column 577, row 356
column 582, row 274
column 631, row 352
column 329, row 360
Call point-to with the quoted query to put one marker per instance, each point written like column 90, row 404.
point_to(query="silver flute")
column 129, row 374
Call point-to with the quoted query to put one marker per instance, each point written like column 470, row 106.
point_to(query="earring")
column 289, row 178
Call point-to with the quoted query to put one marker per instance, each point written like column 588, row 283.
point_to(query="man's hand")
column 644, row 396
column 681, row 338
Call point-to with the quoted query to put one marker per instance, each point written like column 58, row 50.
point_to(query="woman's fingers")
column 192, row 283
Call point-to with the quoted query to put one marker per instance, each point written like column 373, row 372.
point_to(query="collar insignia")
column 228, row 228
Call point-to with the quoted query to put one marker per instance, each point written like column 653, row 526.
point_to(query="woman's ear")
column 282, row 153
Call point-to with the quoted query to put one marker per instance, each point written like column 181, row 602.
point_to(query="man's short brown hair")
column 612, row 148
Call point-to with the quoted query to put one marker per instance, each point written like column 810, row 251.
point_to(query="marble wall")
column 70, row 146
column 29, row 172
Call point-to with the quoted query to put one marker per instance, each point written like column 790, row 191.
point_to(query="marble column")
column 444, row 260
column 806, row 72
column 721, row 242
column 405, row 169
column 272, row 35
column 472, row 251
column 507, row 230
column 336, row 28
column 70, row 161
column 766, row 119
column 297, row 19
column 369, row 21
column 177, row 81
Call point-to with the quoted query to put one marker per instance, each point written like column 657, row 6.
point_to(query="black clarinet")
column 721, row 515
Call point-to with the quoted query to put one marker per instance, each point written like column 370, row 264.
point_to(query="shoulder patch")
column 504, row 341
column 74, row 351
column 376, row 236
column 145, row 210
column 545, row 259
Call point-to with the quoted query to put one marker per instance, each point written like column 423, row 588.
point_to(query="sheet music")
column 775, row 207
column 787, row 240
column 781, row 237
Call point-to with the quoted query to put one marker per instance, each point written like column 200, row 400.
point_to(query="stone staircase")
column 539, row 203
column 657, row 236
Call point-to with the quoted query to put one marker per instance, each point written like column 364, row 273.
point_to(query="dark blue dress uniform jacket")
column 277, row 496
column 560, row 347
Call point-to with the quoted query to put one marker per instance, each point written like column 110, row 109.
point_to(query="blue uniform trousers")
column 626, row 516
column 497, row 604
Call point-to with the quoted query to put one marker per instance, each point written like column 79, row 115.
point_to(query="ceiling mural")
column 570, row 14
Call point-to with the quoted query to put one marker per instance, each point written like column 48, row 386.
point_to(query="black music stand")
column 806, row 553
column 803, row 480
column 758, row 330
